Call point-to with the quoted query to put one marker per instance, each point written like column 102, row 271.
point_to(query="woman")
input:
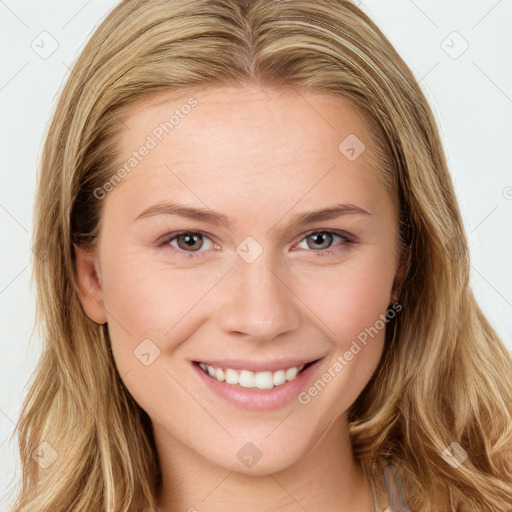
column 203, row 349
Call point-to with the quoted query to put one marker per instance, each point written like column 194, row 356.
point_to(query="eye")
column 320, row 242
column 188, row 244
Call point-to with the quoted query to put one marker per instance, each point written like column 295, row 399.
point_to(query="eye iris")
column 319, row 238
column 189, row 240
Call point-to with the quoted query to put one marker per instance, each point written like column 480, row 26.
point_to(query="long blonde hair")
column 444, row 377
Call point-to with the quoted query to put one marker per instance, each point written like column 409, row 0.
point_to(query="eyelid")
column 165, row 240
column 339, row 232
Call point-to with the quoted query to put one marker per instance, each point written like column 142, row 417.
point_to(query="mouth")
column 251, row 385
column 249, row 379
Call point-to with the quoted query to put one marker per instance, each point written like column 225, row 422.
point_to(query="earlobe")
column 88, row 279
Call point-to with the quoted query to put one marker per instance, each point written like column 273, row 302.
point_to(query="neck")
column 327, row 478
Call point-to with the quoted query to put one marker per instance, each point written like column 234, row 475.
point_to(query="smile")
column 249, row 379
column 256, row 385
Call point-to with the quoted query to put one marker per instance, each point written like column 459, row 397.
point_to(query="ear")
column 88, row 277
column 401, row 272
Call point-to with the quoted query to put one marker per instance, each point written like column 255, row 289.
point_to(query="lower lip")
column 255, row 399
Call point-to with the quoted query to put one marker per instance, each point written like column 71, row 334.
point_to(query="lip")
column 256, row 366
column 258, row 399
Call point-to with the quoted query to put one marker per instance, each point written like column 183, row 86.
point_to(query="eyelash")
column 164, row 243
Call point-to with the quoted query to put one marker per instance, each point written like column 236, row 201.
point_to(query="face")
column 209, row 254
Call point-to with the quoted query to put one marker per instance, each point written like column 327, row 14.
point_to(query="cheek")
column 151, row 313
column 145, row 299
column 350, row 297
column 147, row 292
column 352, row 307
column 149, row 299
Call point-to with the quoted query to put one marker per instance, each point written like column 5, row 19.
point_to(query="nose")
column 257, row 301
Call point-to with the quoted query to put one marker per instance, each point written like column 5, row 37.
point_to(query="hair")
column 444, row 376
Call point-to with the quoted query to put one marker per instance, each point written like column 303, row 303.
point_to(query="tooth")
column 291, row 373
column 249, row 379
column 263, row 380
column 246, row 379
column 279, row 377
column 231, row 376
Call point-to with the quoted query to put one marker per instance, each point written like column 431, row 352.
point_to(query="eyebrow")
column 217, row 218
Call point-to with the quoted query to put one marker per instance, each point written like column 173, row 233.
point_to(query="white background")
column 471, row 96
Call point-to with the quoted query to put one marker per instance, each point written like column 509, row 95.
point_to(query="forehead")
column 247, row 141
column 248, row 114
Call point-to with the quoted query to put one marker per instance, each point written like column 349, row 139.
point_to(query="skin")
column 260, row 156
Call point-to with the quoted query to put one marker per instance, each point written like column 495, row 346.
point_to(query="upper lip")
column 256, row 366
